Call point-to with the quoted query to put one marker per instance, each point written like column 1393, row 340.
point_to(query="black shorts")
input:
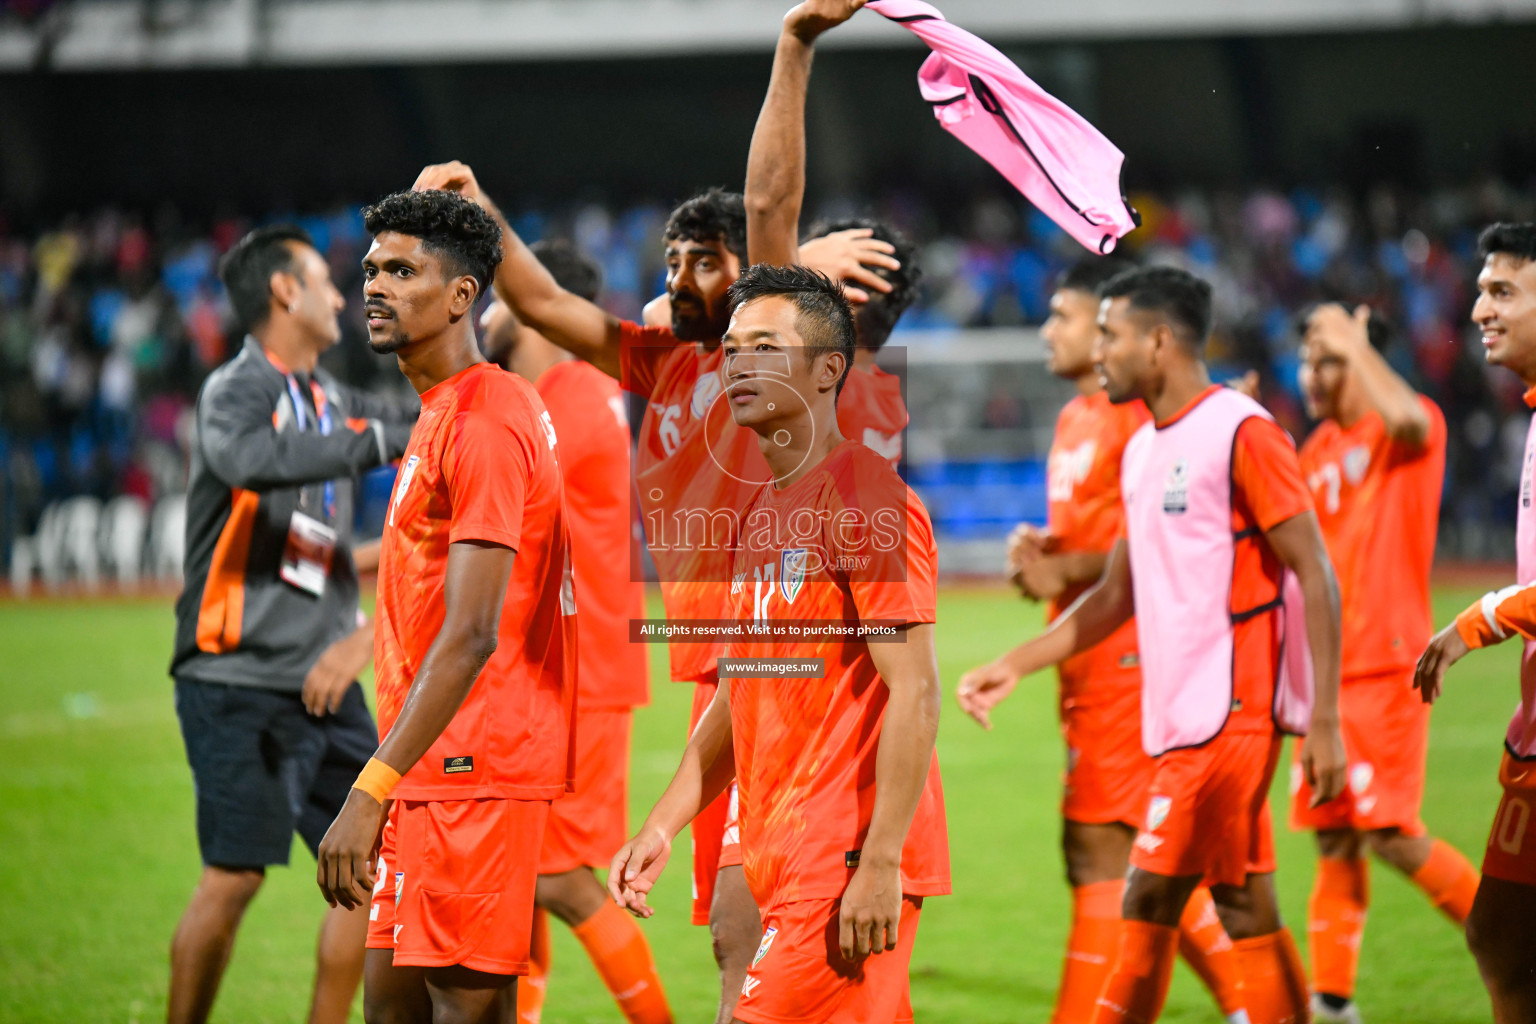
column 263, row 768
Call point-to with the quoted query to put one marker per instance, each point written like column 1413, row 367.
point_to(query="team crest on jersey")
column 1176, row 490
column 1157, row 812
column 705, row 390
column 1356, row 461
column 792, row 572
column 406, row 472
column 764, row 946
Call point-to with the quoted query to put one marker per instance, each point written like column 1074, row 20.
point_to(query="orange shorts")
column 1511, row 854
column 1208, row 810
column 1386, row 738
column 716, row 836
column 587, row 827
column 799, row 974
column 1108, row 772
column 456, row 881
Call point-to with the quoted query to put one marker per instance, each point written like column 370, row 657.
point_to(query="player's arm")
column 1092, row 618
column 871, row 905
column 1347, row 336
column 707, row 768
column 580, row 327
column 365, row 556
column 1298, row 543
column 244, row 449
column 473, row 590
column 337, row 668
column 1049, row 575
column 1491, row 619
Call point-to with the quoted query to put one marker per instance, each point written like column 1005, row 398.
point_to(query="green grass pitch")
column 98, row 853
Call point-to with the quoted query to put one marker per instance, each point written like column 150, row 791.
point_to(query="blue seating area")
column 970, row 500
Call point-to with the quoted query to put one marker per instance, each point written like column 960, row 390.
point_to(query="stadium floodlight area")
column 103, row 34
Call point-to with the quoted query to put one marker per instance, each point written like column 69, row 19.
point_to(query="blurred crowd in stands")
column 110, row 320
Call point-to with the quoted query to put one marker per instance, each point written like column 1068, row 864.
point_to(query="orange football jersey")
column 588, row 412
column 482, row 466
column 1378, row 503
column 1085, row 514
column 872, row 412
column 847, row 543
column 695, row 470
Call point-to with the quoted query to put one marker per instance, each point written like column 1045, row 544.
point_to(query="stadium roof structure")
column 93, row 35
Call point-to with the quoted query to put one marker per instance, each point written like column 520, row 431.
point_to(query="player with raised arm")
column 586, row 828
column 1379, row 445
column 1211, row 488
column 694, row 468
column 476, row 642
column 1104, row 797
column 842, row 811
column 1501, row 928
column 871, row 409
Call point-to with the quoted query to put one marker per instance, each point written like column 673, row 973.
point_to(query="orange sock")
column 1205, row 946
column 1274, row 982
column 1336, row 922
column 1091, row 949
column 1138, row 983
column 531, row 990
column 622, row 957
column 1450, row 880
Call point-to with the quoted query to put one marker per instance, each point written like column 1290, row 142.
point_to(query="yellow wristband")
column 377, row 779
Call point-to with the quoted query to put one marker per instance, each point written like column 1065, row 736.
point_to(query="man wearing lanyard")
column 269, row 639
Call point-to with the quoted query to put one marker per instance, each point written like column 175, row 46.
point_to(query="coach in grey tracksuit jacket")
column 257, row 457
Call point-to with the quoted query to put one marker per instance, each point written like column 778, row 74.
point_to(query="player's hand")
column 635, row 869
column 812, row 18
column 1334, row 331
column 1445, row 649
column 344, row 863
column 871, row 909
column 983, row 688
column 851, row 256
column 1025, row 543
column 1043, row 578
column 1323, row 761
column 452, row 176
column 332, row 676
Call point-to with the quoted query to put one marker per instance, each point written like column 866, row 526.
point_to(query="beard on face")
column 696, row 320
column 387, row 346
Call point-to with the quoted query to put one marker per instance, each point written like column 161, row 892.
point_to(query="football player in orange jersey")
column 1379, row 445
column 1501, row 930
column 586, row 828
column 475, row 642
column 842, row 811
column 1108, row 773
column 692, row 461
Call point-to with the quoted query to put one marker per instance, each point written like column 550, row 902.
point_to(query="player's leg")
column 1336, row 921
column 324, row 773
column 1435, row 866
column 1137, row 984
column 394, row 995
column 1274, row 981
column 735, row 929
column 1096, row 857
column 462, row 995
column 204, row 939
column 1501, row 932
column 612, row 939
column 533, row 989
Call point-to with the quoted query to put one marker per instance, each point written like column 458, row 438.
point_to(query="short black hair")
column 571, row 268
column 1179, row 296
column 248, row 266
column 1508, row 239
column 1378, row 329
column 1090, row 273
column 823, row 315
column 877, row 318
column 458, row 231
column 712, row 216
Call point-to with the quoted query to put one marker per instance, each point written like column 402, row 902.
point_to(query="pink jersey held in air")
column 1177, row 484
column 1047, row 150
